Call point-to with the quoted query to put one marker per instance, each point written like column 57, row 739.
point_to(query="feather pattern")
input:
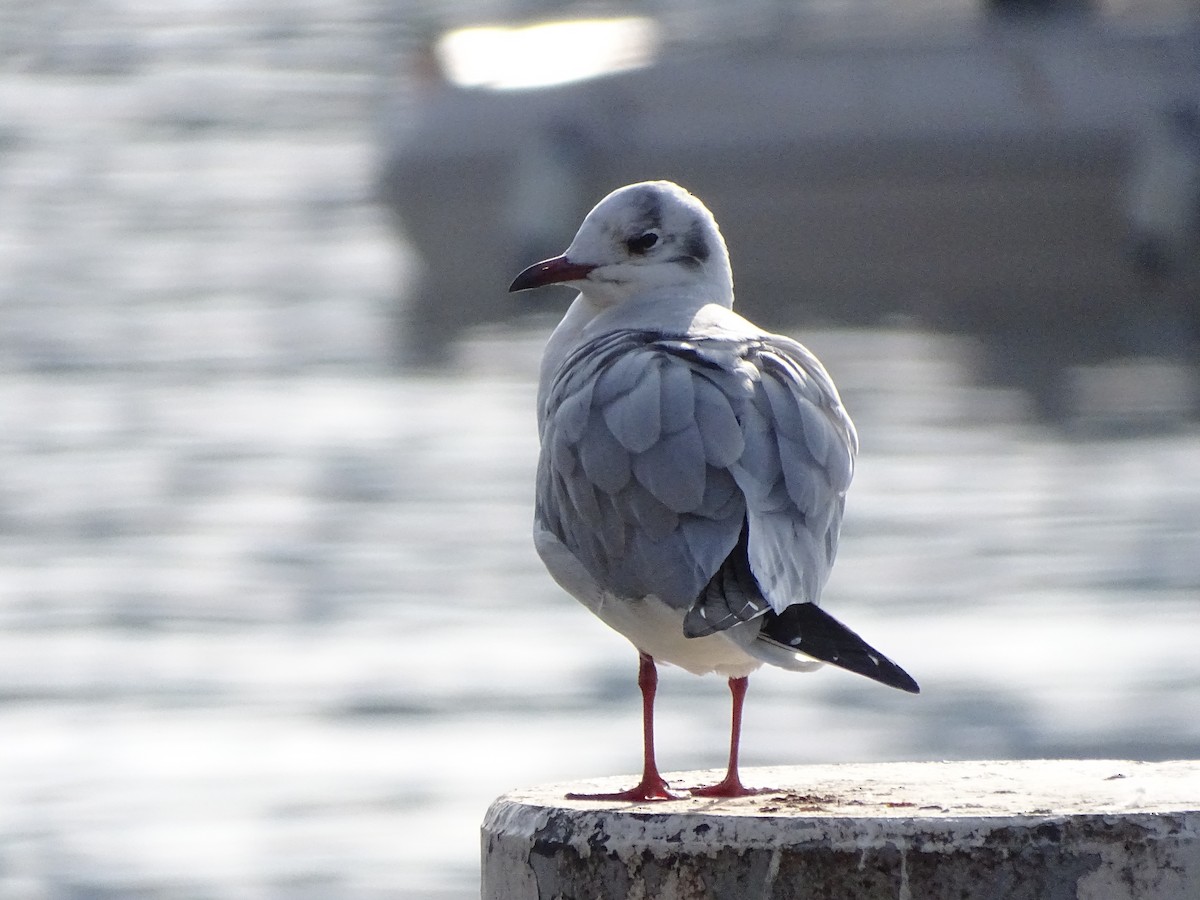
column 689, row 447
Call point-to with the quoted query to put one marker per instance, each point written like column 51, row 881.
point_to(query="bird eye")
column 642, row 242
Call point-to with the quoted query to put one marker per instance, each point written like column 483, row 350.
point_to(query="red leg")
column 652, row 786
column 731, row 785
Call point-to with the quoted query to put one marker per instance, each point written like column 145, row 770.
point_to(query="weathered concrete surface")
column 1013, row 830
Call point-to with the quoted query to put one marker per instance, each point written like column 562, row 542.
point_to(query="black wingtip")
column 903, row 681
column 806, row 628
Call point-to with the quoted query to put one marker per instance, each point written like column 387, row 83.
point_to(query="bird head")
column 647, row 238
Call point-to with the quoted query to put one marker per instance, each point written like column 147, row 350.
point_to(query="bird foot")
column 727, row 788
column 649, row 788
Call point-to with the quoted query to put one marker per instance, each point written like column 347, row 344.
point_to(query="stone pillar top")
column 1018, row 830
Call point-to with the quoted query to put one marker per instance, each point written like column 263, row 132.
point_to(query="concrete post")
column 1014, row 830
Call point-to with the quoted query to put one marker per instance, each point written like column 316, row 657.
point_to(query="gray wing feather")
column 759, row 464
column 560, row 450
column 572, row 414
column 785, row 411
column 817, row 433
column 722, row 497
column 674, row 470
column 658, row 452
column 617, row 374
column 605, row 461
column 613, row 530
column 678, row 398
column 634, row 417
column 787, row 559
column 721, row 435
column 649, row 514
column 806, row 484
column 703, row 535
column 578, row 497
column 668, row 570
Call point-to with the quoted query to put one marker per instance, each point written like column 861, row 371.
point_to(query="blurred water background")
column 271, row 625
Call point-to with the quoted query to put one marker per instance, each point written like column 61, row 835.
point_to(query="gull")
column 693, row 467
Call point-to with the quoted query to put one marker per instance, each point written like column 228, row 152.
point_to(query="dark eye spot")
column 694, row 245
column 643, row 242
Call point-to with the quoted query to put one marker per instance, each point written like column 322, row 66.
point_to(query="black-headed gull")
column 693, row 467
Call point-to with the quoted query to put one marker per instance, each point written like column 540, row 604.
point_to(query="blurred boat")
column 970, row 176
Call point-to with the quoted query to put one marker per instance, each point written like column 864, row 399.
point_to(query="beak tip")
column 525, row 281
column 549, row 271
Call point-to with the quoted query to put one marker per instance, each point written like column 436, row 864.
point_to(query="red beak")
column 549, row 271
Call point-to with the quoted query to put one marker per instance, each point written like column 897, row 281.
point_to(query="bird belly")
column 657, row 629
column 650, row 624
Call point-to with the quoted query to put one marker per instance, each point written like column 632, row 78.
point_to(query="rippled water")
column 284, row 635
column 270, row 620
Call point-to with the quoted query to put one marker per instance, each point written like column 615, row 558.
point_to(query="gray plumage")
column 649, row 489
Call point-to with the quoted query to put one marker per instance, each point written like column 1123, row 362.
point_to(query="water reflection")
column 1029, row 180
column 258, row 635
